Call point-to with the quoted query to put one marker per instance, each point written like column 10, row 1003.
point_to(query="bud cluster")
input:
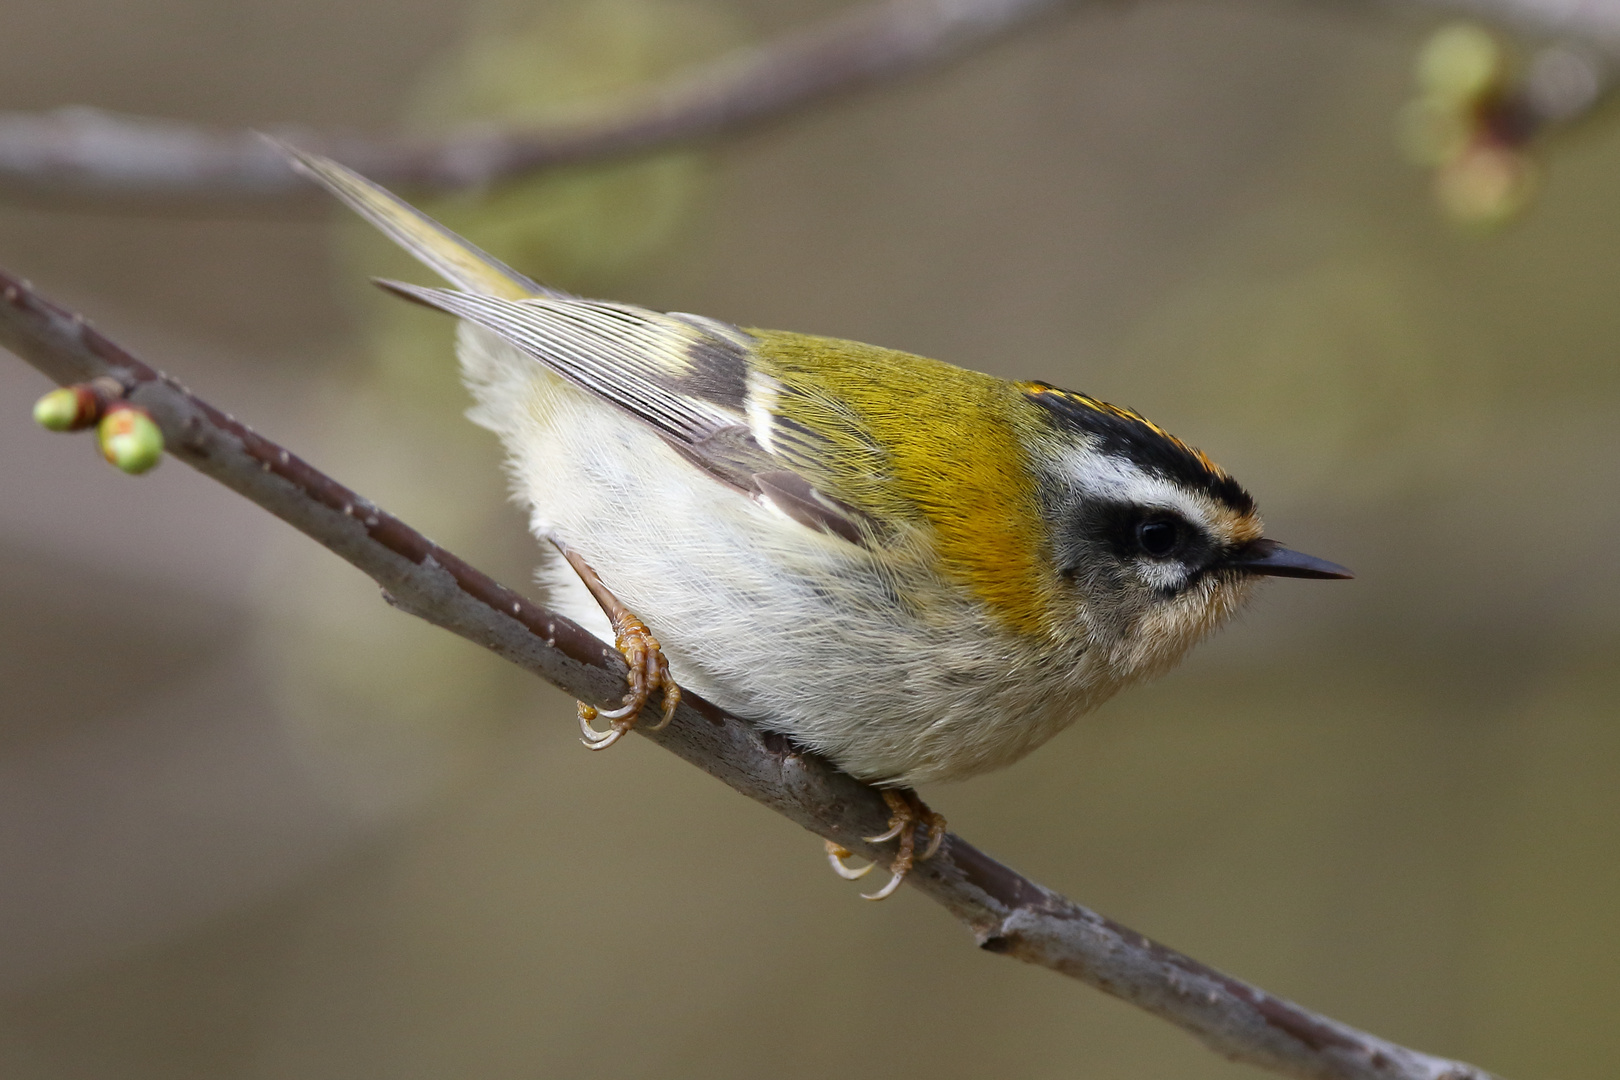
column 1478, row 108
column 125, row 432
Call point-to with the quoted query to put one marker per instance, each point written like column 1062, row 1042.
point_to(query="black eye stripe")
column 1105, row 543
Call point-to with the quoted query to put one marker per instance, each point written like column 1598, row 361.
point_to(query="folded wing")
column 688, row 378
column 692, row 380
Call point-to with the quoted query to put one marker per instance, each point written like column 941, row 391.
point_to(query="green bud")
column 68, row 408
column 57, row 410
column 129, row 439
column 1462, row 62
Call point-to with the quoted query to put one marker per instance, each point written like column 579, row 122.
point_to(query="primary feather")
column 439, row 249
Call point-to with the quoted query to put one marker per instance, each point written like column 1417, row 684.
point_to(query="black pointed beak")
column 1273, row 560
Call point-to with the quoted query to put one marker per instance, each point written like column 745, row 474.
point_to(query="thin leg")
column 649, row 671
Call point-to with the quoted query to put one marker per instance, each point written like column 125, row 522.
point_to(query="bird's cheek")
column 1218, row 598
column 1164, row 578
column 1232, row 593
column 1157, row 640
column 1164, row 633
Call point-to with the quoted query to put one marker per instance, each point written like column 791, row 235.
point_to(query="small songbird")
column 916, row 570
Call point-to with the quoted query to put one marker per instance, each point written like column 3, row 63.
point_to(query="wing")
column 691, row 379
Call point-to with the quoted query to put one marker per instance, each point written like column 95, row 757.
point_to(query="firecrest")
column 919, row 571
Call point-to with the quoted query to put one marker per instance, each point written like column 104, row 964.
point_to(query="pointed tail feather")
column 447, row 254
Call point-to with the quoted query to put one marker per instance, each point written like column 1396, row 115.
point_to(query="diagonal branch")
column 87, row 152
column 1006, row 912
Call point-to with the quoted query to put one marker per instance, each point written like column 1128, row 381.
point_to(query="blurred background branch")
column 1008, row 913
column 91, row 153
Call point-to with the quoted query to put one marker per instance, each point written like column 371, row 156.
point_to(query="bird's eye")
column 1158, row 538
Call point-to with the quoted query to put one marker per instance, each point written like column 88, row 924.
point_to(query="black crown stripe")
column 1131, row 435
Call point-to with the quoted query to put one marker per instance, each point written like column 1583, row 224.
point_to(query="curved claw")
column 597, row 740
column 836, row 854
column 896, row 827
column 672, row 700
column 908, row 814
column 936, row 837
column 887, row 890
column 621, row 712
column 601, row 740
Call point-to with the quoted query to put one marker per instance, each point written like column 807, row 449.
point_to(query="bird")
column 916, row 570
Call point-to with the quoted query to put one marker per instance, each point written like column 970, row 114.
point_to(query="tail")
column 441, row 250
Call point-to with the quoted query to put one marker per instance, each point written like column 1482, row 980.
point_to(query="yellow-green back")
column 923, row 441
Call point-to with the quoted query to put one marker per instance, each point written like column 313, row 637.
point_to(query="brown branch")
column 1006, row 912
column 86, row 152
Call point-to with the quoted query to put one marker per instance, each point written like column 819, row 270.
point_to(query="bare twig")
column 85, row 152
column 1006, row 912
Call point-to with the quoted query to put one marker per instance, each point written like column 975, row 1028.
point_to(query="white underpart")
column 776, row 622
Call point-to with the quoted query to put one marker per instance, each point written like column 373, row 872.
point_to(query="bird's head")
column 1153, row 543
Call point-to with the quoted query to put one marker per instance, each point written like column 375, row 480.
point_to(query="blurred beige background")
column 254, row 824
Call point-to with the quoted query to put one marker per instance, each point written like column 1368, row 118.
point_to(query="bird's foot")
column 907, row 814
column 649, row 671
